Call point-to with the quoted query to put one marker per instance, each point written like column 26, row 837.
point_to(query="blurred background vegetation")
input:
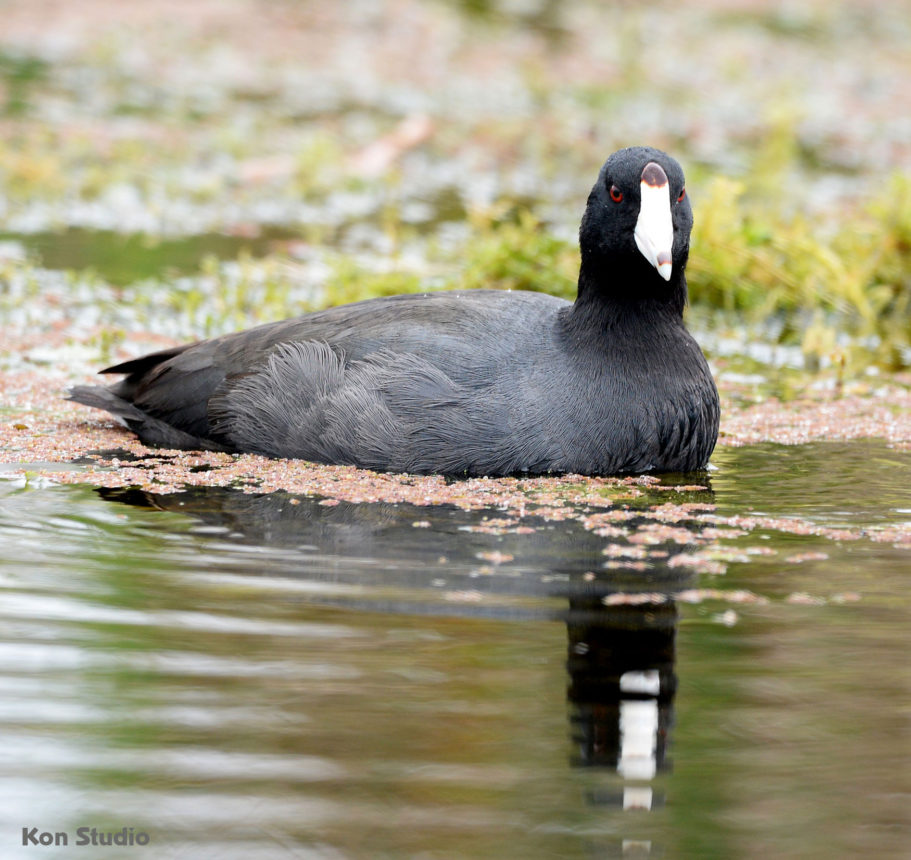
column 193, row 168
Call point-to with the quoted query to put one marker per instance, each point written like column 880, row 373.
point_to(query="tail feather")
column 150, row 430
column 138, row 366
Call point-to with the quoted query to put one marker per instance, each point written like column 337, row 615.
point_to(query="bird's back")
column 421, row 383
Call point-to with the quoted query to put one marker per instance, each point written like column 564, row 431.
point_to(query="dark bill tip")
column 653, row 174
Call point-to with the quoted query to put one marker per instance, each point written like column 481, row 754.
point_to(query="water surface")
column 123, row 258
column 242, row 675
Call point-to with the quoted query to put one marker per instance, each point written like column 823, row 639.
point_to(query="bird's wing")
column 408, row 348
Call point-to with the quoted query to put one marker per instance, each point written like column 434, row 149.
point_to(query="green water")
column 238, row 676
column 123, row 258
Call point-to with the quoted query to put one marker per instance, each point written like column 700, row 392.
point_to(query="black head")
column 635, row 234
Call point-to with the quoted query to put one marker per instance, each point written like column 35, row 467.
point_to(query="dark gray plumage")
column 481, row 382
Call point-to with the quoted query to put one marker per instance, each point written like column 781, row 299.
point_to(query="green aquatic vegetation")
column 318, row 164
column 826, row 286
column 887, row 240
column 519, row 254
column 18, row 74
column 351, row 282
column 227, row 296
column 106, row 342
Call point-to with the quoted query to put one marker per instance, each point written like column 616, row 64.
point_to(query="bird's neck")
column 617, row 299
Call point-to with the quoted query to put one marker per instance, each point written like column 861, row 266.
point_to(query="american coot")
column 480, row 382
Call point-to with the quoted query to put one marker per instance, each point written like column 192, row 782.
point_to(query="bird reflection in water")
column 621, row 654
column 621, row 694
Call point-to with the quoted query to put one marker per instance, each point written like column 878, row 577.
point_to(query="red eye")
column 615, row 194
column 682, row 194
